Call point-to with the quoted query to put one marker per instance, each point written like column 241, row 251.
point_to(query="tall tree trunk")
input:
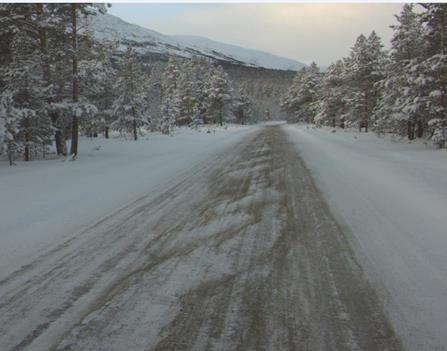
column 442, row 34
column 26, row 155
column 57, row 134
column 106, row 132
column 366, row 116
column 58, row 142
column 420, row 129
column 410, row 130
column 43, row 43
column 74, row 137
column 134, row 125
column 220, row 116
column 10, row 153
column 60, row 133
column 75, row 88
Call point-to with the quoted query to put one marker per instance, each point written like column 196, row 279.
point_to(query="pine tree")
column 432, row 72
column 364, row 68
column 242, row 107
column 395, row 110
column 169, row 111
column 24, row 77
column 153, row 94
column 184, row 97
column 98, row 77
column 58, row 44
column 70, row 33
column 10, row 118
column 302, row 99
column 129, row 106
column 332, row 104
column 218, row 95
column 201, row 69
column 421, row 59
column 289, row 102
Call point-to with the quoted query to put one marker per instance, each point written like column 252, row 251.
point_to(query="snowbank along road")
column 242, row 254
column 393, row 198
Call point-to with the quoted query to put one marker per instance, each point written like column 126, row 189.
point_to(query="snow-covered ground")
column 393, row 198
column 43, row 202
column 240, row 253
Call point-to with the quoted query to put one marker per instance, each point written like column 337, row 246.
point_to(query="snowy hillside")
column 146, row 41
column 252, row 57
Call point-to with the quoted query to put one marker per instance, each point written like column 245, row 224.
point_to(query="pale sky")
column 306, row 32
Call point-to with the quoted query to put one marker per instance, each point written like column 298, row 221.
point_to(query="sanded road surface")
column 241, row 254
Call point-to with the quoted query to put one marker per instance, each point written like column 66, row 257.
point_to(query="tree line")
column 402, row 90
column 57, row 82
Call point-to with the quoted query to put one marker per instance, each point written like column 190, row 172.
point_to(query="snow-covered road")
column 44, row 202
column 241, row 253
column 393, row 198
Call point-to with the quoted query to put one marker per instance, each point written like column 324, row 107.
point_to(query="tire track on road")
column 241, row 254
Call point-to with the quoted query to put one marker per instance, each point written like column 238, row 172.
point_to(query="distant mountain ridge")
column 251, row 56
column 147, row 41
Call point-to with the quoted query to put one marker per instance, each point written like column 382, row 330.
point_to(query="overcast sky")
column 306, row 32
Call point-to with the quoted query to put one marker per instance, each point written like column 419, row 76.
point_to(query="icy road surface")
column 242, row 254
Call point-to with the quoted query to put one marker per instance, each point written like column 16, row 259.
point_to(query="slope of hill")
column 252, row 57
column 146, row 41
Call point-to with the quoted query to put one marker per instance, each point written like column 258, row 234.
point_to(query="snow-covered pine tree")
column 407, row 41
column 168, row 114
column 331, row 107
column 242, row 107
column 72, row 13
column 194, row 92
column 301, row 101
column 98, row 77
column 289, row 101
column 10, row 118
column 168, row 100
column 153, row 95
column 395, row 110
column 201, row 69
column 24, row 78
column 218, row 95
column 364, row 68
column 184, row 95
column 432, row 72
column 58, row 53
column 129, row 105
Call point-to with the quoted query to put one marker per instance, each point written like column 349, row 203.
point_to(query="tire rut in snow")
column 294, row 283
column 242, row 255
